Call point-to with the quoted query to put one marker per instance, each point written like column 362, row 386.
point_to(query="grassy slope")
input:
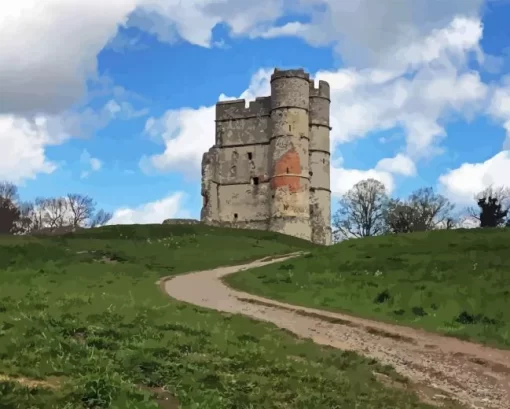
column 105, row 331
column 453, row 282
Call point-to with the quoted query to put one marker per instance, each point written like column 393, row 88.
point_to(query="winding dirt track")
column 440, row 367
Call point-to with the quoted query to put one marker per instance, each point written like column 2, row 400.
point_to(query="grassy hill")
column 83, row 325
column 456, row 282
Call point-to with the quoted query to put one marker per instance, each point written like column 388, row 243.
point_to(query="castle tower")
column 289, row 153
column 320, row 193
column 269, row 166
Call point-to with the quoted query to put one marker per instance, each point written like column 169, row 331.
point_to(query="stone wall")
column 181, row 221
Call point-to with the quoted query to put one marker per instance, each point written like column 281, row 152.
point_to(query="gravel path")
column 440, row 367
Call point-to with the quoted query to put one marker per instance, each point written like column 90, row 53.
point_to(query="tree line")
column 47, row 215
column 367, row 210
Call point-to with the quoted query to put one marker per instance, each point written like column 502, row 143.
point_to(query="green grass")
column 84, row 309
column 453, row 282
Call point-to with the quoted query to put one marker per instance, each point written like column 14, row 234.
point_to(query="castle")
column 269, row 167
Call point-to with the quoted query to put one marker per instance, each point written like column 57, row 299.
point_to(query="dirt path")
column 440, row 367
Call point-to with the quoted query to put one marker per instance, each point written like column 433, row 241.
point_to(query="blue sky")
column 124, row 109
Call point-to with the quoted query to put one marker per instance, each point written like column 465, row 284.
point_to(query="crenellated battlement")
column 299, row 73
column 322, row 91
column 236, row 109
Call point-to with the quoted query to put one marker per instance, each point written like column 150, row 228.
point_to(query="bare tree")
column 27, row 222
column 81, row 209
column 100, row 218
column 9, row 216
column 399, row 216
column 432, row 209
column 423, row 210
column 361, row 210
column 37, row 213
column 55, row 212
column 9, row 191
column 47, row 215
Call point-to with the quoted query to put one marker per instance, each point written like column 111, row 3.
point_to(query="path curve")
column 474, row 375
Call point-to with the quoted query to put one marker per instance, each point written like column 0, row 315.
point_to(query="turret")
column 320, row 193
column 289, row 154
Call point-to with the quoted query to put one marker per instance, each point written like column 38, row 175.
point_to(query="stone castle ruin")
column 269, row 167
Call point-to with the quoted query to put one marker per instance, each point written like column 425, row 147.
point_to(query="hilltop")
column 83, row 323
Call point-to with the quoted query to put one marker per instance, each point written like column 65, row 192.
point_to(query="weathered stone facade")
column 269, row 167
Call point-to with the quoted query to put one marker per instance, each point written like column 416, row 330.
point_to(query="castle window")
column 287, row 170
column 310, row 173
column 235, row 216
column 255, row 181
column 250, row 156
column 290, row 128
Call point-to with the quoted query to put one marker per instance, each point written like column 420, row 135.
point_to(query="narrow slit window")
column 287, row 170
column 235, row 216
column 250, row 156
column 255, row 181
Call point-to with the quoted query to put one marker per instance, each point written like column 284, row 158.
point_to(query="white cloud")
column 415, row 50
column 344, row 179
column 499, row 108
column 23, row 144
column 400, row 164
column 187, row 133
column 26, row 139
column 32, row 29
column 34, row 83
column 418, row 95
column 461, row 184
column 369, row 32
column 152, row 212
column 92, row 164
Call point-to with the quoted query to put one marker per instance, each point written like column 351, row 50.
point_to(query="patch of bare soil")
column 163, row 398
column 440, row 368
column 49, row 383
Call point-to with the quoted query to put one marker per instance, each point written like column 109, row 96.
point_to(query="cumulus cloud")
column 435, row 84
column 462, row 183
column 40, row 72
column 407, row 68
column 91, row 164
column 499, row 108
column 25, row 140
column 23, row 144
column 187, row 133
column 32, row 29
column 170, row 206
column 417, row 95
column 400, row 165
column 343, row 179
column 369, row 32
column 380, row 27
